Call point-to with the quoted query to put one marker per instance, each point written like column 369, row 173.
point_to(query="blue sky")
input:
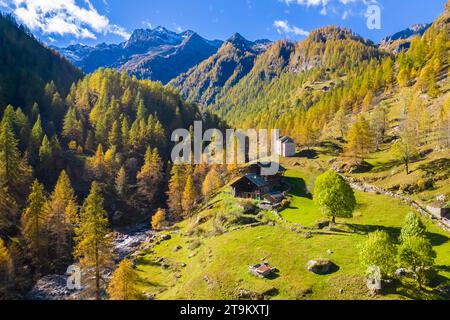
column 62, row 22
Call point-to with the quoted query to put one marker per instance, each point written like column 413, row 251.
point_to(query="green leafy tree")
column 334, row 195
column 417, row 254
column 37, row 134
column 45, row 154
column 412, row 227
column 378, row 251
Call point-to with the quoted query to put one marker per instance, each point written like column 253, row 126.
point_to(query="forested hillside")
column 27, row 66
column 105, row 136
column 221, row 71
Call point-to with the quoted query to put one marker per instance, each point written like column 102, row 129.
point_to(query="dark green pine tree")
column 10, row 170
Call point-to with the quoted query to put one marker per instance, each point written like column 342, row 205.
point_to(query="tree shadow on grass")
column 308, row 154
column 298, row 187
column 435, row 238
column 332, row 148
column 409, row 289
column 443, row 268
column 148, row 283
column 381, row 167
column 365, row 229
column 439, row 165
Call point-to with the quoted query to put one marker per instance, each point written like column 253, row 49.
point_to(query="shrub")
column 248, row 206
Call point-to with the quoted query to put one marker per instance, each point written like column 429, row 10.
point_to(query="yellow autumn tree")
column 175, row 193
column 159, row 220
column 211, row 183
column 62, row 217
column 189, row 196
column 123, row 284
column 360, row 139
column 94, row 246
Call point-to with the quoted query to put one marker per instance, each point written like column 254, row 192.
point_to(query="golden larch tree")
column 123, row 284
column 94, row 246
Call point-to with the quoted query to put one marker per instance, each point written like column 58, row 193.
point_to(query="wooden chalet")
column 273, row 180
column 250, row 186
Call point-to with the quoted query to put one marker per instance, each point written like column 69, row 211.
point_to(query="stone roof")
column 256, row 179
column 286, row 139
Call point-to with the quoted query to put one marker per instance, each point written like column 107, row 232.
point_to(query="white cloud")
column 334, row 6
column 283, row 27
column 64, row 17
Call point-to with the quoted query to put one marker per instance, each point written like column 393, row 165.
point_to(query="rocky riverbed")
column 53, row 287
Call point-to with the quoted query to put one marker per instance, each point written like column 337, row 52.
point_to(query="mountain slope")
column 169, row 63
column 26, row 66
column 221, row 71
column 278, row 75
column 157, row 54
column 401, row 41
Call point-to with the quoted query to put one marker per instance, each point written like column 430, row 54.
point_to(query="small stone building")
column 286, row 147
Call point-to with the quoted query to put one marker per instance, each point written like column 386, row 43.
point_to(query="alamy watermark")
column 237, row 147
column 373, row 15
column 73, row 278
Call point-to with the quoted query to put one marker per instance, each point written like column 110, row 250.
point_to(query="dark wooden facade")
column 250, row 186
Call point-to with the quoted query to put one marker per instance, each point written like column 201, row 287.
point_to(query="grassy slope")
column 218, row 268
